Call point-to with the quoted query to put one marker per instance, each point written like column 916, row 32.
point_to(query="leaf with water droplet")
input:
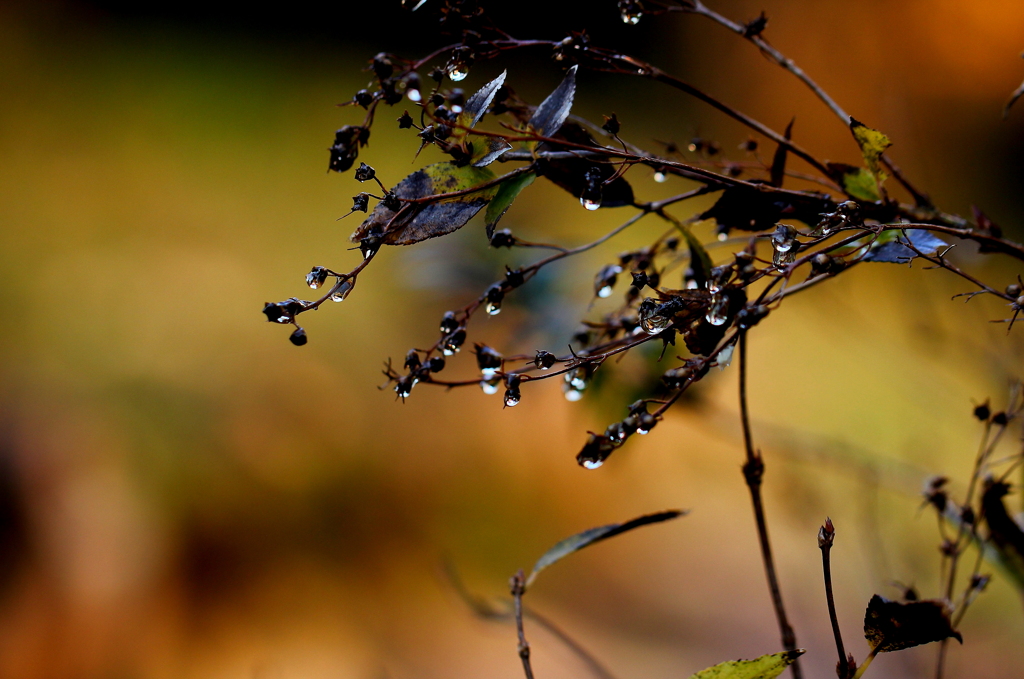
column 487, row 150
column 592, row 535
column 891, row 246
column 894, row 625
column 414, row 222
column 477, row 104
column 507, row 192
column 572, row 173
column 553, row 111
column 750, row 209
column 872, row 145
column 765, row 667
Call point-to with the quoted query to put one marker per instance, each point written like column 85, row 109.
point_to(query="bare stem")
column 753, row 471
column 826, row 537
column 517, row 586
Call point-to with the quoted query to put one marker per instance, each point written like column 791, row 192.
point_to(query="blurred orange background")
column 185, row 494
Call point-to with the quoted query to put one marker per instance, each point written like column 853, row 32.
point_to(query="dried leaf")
column 507, row 192
column 1013, row 100
column 778, row 171
column 477, row 105
column 488, row 150
column 891, row 246
column 894, row 625
column 418, row 221
column 985, row 227
column 589, row 537
column 872, row 145
column 570, row 173
column 765, row 667
column 553, row 111
column 700, row 260
column 1009, row 562
column 748, row 209
column 1005, row 534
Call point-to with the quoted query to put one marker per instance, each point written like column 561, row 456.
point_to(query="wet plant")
column 779, row 240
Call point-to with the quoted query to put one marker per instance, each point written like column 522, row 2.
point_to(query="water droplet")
column 456, row 108
column 660, row 177
column 512, row 398
column 717, row 312
column 414, row 95
column 631, row 17
column 574, row 384
column 342, row 291
column 490, row 386
column 722, row 237
column 592, row 464
column 724, row 357
column 784, row 245
column 448, row 351
column 651, row 321
column 605, row 280
column 783, row 258
column 316, row 277
column 646, row 424
column 458, row 72
column 493, row 308
column 589, row 203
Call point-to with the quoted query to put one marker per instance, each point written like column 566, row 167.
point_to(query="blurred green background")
column 185, row 494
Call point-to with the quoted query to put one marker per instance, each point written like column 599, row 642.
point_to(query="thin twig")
column 826, row 537
column 517, row 585
column 753, row 471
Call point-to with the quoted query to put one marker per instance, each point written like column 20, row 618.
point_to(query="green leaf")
column 894, row 625
column 872, row 145
column 861, row 184
column 507, row 192
column 765, row 667
column 553, row 111
column 488, row 150
column 415, row 222
column 589, row 537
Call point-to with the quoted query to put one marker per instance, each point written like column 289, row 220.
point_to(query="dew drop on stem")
column 342, row 291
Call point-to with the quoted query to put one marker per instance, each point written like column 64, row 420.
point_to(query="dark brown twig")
column 753, row 472
column 826, row 537
column 517, row 586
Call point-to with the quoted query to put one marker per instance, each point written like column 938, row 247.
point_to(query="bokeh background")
column 185, row 494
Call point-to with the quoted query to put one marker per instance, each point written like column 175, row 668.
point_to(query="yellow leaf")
column 872, row 145
column 765, row 667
